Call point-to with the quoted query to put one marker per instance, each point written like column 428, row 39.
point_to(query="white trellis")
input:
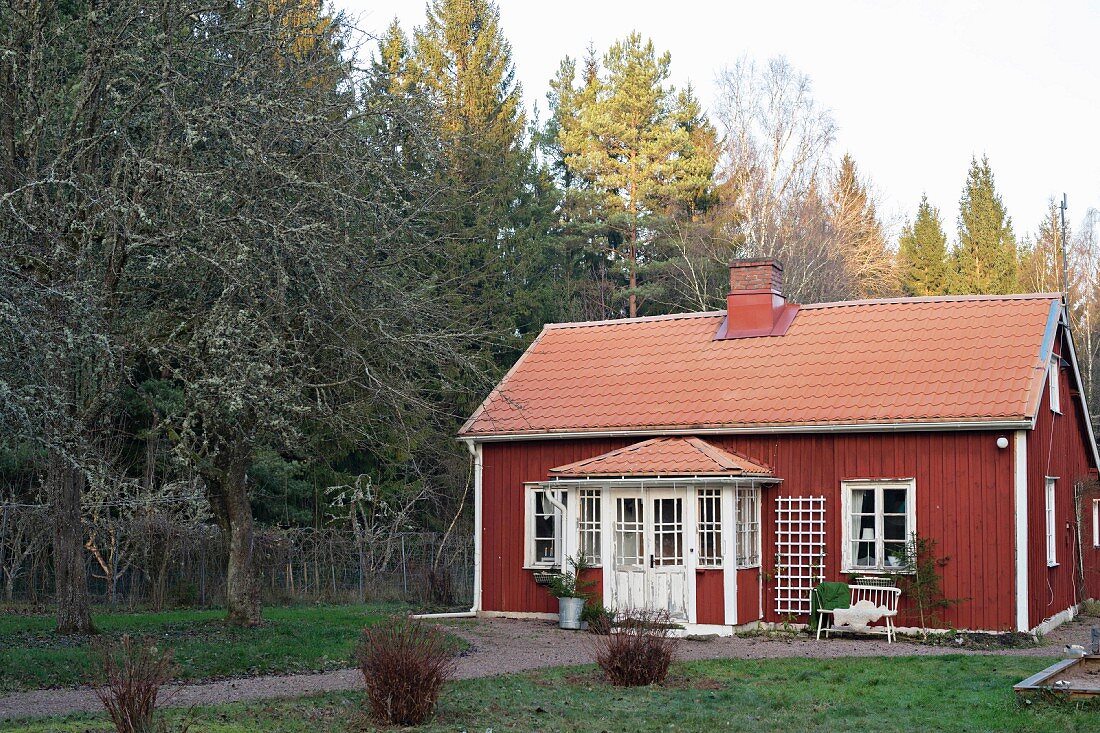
column 800, row 551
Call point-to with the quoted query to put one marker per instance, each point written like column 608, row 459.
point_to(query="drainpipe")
column 552, row 496
column 475, row 455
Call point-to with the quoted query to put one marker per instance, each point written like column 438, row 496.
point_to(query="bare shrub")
column 134, row 671
column 638, row 649
column 404, row 663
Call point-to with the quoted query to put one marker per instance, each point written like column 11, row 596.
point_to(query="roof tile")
column 953, row 359
column 665, row 457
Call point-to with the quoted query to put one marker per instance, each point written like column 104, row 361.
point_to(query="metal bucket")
column 569, row 612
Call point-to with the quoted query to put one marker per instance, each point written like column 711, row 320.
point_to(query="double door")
column 650, row 551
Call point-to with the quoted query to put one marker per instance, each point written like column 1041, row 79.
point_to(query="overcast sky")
column 917, row 88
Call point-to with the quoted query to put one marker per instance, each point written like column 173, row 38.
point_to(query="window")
column 588, row 525
column 748, row 527
column 545, row 523
column 1096, row 522
column 1052, row 549
column 710, row 528
column 1055, row 384
column 879, row 519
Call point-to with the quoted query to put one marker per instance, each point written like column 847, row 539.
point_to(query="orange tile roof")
column 911, row 360
column 665, row 457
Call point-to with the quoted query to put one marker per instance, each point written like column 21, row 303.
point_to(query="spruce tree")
column 922, row 253
column 464, row 63
column 985, row 259
column 859, row 236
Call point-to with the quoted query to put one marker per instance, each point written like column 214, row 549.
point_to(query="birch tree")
column 777, row 161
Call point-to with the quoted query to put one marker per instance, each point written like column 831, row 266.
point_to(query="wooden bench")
column 880, row 593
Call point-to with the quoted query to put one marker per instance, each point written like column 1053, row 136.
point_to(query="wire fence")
column 156, row 561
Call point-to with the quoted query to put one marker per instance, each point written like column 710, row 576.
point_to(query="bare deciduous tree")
column 777, row 161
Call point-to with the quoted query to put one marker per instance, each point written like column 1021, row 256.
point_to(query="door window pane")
column 668, row 532
column 629, row 534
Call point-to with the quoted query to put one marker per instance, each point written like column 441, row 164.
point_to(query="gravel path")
column 500, row 646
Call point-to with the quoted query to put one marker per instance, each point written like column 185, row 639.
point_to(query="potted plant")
column 571, row 591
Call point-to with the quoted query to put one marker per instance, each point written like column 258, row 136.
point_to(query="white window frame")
column 1096, row 522
column 1050, row 485
column 530, row 556
column 1055, row 384
column 846, row 487
column 586, row 500
column 709, row 527
column 747, row 530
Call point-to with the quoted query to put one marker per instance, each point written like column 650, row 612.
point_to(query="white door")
column 649, row 553
column 667, row 581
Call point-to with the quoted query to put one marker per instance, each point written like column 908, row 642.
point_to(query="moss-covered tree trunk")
column 229, row 498
column 66, row 483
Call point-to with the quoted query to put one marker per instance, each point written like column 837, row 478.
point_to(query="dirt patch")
column 979, row 641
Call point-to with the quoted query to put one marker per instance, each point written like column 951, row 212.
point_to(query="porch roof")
column 674, row 456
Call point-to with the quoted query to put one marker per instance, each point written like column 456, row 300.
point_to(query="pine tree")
column 638, row 146
column 859, row 236
column 985, row 259
column 922, row 253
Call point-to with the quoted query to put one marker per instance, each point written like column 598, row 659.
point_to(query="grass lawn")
column 296, row 639
column 954, row 693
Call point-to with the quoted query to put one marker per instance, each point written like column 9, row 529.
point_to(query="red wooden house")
column 719, row 465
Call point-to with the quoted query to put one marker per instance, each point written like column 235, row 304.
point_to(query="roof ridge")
column 815, row 306
column 639, row 319
column 933, row 299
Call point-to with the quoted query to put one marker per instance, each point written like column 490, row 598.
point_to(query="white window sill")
column 875, row 571
column 1052, row 564
column 754, row 566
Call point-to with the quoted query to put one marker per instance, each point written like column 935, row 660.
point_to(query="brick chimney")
column 755, row 305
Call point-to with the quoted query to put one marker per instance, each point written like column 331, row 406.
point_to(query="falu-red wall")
column 964, row 500
column 1056, row 448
